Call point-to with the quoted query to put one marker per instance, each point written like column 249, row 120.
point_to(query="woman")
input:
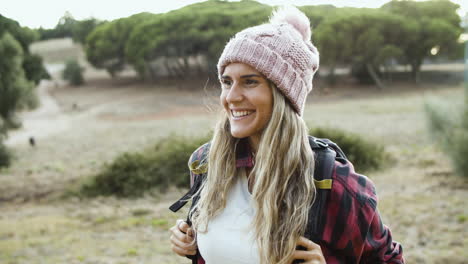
column 254, row 182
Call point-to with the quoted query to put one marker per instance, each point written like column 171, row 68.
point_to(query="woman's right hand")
column 182, row 239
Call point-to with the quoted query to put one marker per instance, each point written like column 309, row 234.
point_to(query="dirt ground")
column 419, row 197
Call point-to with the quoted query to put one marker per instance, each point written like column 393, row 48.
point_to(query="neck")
column 254, row 142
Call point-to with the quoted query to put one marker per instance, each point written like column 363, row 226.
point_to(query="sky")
column 46, row 13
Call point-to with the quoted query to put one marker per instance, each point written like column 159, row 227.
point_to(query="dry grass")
column 420, row 198
column 58, row 50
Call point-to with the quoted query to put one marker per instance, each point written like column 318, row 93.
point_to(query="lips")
column 239, row 114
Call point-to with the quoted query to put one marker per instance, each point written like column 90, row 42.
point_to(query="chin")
column 239, row 134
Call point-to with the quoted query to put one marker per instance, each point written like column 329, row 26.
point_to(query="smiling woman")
column 262, row 189
column 247, row 98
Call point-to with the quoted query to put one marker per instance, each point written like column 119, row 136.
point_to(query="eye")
column 226, row 82
column 251, row 81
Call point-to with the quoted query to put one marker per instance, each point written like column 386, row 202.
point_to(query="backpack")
column 326, row 152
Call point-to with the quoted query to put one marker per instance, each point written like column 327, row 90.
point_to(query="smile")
column 241, row 114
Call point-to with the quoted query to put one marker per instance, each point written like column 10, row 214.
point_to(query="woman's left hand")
column 312, row 253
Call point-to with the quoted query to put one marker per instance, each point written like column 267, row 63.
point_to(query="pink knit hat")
column 281, row 50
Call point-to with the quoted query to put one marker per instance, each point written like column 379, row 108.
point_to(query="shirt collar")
column 244, row 156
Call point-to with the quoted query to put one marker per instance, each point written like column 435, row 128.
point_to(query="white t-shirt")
column 230, row 239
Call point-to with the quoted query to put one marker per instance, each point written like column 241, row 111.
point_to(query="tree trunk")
column 374, row 76
column 168, row 68
column 416, row 71
column 179, row 68
column 186, row 65
column 331, row 78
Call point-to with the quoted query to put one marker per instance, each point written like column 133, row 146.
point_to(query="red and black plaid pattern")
column 353, row 230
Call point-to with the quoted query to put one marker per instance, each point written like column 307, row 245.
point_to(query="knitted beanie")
column 281, row 50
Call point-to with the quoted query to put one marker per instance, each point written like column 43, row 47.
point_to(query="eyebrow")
column 242, row 76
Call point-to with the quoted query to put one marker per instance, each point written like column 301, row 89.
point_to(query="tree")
column 19, row 71
column 73, row 73
column 82, row 28
column 63, row 29
column 362, row 38
column 105, row 45
column 14, row 86
column 34, row 68
column 32, row 64
column 436, row 24
column 181, row 37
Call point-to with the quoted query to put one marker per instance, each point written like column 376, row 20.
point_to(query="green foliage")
column 32, row 64
column 82, row 28
column 318, row 13
column 23, row 35
column 15, row 89
column 189, row 40
column 34, row 68
column 342, row 38
column 105, row 45
column 73, row 73
column 5, row 155
column 202, row 30
column 435, row 23
column 365, row 154
column 64, row 28
column 67, row 26
column 132, row 174
column 449, row 127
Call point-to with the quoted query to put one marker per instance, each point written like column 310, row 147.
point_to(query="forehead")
column 239, row 68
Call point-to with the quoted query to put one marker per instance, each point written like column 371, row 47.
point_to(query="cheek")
column 222, row 99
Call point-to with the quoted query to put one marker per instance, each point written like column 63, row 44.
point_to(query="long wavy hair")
column 283, row 187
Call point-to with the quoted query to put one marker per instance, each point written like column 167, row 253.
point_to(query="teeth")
column 241, row 113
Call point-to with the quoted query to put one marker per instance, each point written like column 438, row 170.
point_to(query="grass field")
column 420, row 198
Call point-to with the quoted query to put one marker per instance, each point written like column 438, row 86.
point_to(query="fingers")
column 189, row 245
column 183, row 239
column 181, row 231
column 307, row 243
column 313, row 253
column 183, row 252
column 182, row 225
column 310, row 257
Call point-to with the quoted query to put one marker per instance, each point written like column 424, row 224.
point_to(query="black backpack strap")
column 184, row 199
column 325, row 156
column 199, row 167
column 340, row 156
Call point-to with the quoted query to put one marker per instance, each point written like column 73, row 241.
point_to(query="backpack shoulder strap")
column 326, row 152
column 198, row 166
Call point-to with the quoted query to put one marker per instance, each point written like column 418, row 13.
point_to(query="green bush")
column 365, row 154
column 449, row 127
column 132, row 174
column 5, row 155
column 73, row 73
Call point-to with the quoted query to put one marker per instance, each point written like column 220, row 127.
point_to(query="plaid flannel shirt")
column 353, row 231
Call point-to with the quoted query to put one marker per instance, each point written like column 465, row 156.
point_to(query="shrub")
column 5, row 155
column 365, row 154
column 449, row 127
column 132, row 174
column 73, row 73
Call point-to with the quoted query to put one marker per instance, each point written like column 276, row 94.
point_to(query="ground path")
column 44, row 121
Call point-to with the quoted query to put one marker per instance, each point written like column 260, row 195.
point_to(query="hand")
column 182, row 239
column 312, row 253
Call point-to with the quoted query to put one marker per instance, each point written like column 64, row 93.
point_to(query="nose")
column 234, row 94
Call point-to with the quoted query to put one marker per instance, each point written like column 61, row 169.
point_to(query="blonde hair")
column 283, row 188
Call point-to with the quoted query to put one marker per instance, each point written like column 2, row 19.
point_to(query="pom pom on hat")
column 294, row 17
